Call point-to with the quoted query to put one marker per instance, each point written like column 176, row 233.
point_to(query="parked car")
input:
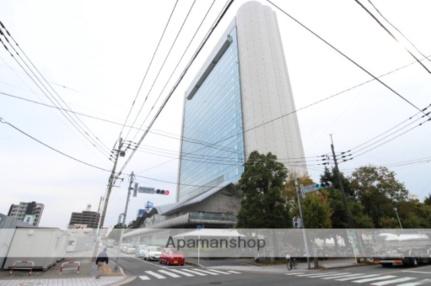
column 131, row 249
column 170, row 256
column 152, row 253
column 140, row 250
column 127, row 248
column 124, row 246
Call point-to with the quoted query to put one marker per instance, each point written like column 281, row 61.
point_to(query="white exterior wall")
column 265, row 88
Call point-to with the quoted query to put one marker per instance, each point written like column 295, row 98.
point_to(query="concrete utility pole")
column 340, row 183
column 116, row 153
column 129, row 191
column 304, row 235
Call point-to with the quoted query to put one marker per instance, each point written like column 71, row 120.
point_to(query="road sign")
column 314, row 187
column 146, row 190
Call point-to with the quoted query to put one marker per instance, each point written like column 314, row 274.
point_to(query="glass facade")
column 212, row 151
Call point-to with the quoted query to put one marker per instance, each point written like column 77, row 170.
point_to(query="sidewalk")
column 88, row 281
column 53, row 277
column 281, row 268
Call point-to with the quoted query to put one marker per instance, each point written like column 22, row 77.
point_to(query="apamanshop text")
column 214, row 243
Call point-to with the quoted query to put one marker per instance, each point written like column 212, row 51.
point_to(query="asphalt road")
column 151, row 273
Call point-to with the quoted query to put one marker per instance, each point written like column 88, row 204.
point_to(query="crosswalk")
column 376, row 279
column 183, row 272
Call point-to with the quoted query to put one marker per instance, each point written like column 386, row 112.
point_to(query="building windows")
column 213, row 117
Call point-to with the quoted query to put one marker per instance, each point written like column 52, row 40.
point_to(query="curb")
column 344, row 266
column 195, row 264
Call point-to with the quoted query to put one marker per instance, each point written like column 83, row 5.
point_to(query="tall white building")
column 238, row 104
column 29, row 212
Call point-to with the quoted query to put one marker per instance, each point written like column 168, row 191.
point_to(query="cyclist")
column 291, row 263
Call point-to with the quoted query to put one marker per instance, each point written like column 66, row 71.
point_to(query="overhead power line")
column 94, row 117
column 390, row 33
column 195, row 141
column 64, row 154
column 50, row 147
column 161, row 68
column 179, row 61
column 423, row 160
column 374, row 78
column 197, row 52
column 148, row 67
column 345, row 56
column 391, row 138
column 386, row 136
column 391, row 131
column 46, row 88
column 398, row 30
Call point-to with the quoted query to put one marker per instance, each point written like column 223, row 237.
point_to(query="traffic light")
column 162, row 192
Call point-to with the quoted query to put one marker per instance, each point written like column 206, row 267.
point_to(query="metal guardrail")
column 70, row 266
column 22, row 265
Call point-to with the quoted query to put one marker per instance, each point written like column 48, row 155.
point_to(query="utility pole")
column 116, row 154
column 129, row 191
column 304, row 235
column 340, row 184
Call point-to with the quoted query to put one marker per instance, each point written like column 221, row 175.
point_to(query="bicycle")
column 291, row 263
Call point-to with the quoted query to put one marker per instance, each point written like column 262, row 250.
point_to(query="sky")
column 95, row 53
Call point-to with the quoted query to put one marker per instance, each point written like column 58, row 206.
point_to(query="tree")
column 261, row 185
column 317, row 211
column 379, row 192
column 339, row 217
column 427, row 200
column 414, row 214
column 335, row 199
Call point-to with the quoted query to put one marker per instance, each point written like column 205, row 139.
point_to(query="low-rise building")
column 29, row 212
column 89, row 219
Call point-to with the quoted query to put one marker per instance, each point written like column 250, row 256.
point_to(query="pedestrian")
column 102, row 257
column 101, row 260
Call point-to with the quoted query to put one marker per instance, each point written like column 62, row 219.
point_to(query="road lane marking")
column 327, row 275
column 353, row 278
column 154, row 274
column 417, row 283
column 234, row 272
column 374, row 279
column 219, row 271
column 194, row 272
column 144, row 277
column 182, row 273
column 315, row 274
column 147, row 262
column 294, row 273
column 393, row 281
column 205, row 271
column 342, row 276
column 173, row 275
column 350, row 276
column 417, row 272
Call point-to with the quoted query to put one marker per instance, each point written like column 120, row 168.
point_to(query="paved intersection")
column 154, row 274
column 373, row 276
